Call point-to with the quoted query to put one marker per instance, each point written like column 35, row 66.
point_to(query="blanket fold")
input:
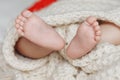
column 65, row 16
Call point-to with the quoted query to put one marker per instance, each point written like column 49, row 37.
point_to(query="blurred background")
column 9, row 10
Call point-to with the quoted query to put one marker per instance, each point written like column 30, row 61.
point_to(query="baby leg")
column 110, row 33
column 84, row 41
column 31, row 50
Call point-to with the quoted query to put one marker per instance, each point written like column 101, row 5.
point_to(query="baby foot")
column 86, row 38
column 37, row 31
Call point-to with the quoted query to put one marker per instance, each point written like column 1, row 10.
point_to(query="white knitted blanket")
column 102, row 63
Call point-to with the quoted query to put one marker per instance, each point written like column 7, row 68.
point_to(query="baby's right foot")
column 86, row 38
column 37, row 31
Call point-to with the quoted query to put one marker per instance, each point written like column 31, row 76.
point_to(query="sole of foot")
column 86, row 38
column 33, row 28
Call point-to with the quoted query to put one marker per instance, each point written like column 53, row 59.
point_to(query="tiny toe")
column 95, row 23
column 21, row 23
column 17, row 21
column 17, row 26
column 97, row 38
column 91, row 19
column 98, row 33
column 20, row 32
column 21, row 28
column 20, row 17
column 23, row 19
column 97, row 28
column 26, row 13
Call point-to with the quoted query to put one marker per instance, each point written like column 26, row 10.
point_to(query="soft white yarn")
column 102, row 63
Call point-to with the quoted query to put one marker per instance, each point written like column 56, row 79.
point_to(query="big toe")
column 91, row 19
column 26, row 13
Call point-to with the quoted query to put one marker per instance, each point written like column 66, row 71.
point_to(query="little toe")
column 91, row 19
column 97, row 28
column 21, row 28
column 17, row 21
column 26, row 13
column 97, row 38
column 17, row 26
column 20, row 32
column 98, row 33
column 20, row 17
column 21, row 23
column 23, row 19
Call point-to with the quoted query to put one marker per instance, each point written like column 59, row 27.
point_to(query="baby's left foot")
column 86, row 38
column 33, row 28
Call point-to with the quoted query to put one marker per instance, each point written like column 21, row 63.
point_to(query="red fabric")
column 40, row 4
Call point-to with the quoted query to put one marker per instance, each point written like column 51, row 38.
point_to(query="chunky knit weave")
column 102, row 63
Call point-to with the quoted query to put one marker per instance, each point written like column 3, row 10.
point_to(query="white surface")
column 9, row 9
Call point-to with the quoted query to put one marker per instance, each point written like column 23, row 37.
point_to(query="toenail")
column 21, row 23
column 91, row 19
column 27, row 13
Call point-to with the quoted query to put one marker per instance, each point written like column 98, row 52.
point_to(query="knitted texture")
column 102, row 63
